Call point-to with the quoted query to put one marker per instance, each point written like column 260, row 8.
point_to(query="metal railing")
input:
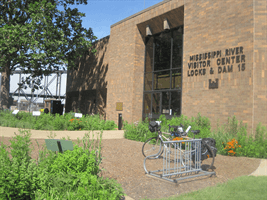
column 181, row 160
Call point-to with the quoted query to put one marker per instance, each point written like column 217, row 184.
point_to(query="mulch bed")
column 123, row 161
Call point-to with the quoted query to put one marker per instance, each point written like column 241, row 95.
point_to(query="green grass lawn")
column 241, row 188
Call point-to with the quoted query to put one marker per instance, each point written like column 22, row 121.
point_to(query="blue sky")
column 99, row 15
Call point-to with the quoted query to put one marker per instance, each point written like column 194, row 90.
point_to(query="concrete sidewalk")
column 261, row 170
column 37, row 134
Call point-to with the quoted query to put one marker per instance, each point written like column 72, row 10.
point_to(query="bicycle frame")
column 160, row 135
column 170, row 146
column 173, row 169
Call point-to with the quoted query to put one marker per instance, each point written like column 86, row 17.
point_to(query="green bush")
column 17, row 176
column 138, row 133
column 76, row 161
column 141, row 131
column 59, row 122
column 250, row 146
column 110, row 125
column 55, row 122
column 70, row 175
column 42, row 121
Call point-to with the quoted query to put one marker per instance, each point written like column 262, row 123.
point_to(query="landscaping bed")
column 123, row 161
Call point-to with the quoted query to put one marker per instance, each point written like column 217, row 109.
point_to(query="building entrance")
column 167, row 103
column 163, row 74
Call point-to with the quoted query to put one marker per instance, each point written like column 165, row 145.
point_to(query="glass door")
column 147, row 105
column 156, row 104
column 162, row 103
column 165, row 108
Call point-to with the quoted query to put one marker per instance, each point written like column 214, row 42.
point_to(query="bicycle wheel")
column 207, row 157
column 152, row 146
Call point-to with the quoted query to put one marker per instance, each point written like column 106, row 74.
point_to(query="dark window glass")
column 162, row 80
column 177, row 49
column 162, row 51
column 176, row 79
column 148, row 81
column 165, row 103
column 147, row 103
column 175, row 102
column 162, row 56
column 149, row 55
column 156, row 103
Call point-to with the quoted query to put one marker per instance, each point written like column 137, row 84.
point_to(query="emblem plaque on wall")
column 213, row 84
column 119, row 106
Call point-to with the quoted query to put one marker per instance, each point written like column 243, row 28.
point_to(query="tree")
column 37, row 38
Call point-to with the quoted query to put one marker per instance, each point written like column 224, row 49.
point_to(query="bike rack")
column 177, row 162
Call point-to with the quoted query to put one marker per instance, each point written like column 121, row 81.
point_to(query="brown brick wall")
column 220, row 26
column 87, row 86
column 260, row 66
column 214, row 26
column 208, row 26
column 127, row 59
column 121, row 68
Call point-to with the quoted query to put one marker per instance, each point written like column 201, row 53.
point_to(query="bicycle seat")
column 196, row 132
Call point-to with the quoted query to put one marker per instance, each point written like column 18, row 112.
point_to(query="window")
column 156, row 103
column 162, row 80
column 176, row 102
column 163, row 73
column 177, row 49
column 165, row 103
column 162, row 51
column 147, row 103
column 176, row 79
column 148, row 81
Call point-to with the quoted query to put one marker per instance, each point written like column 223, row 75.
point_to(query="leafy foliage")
column 55, row 122
column 70, row 175
column 249, row 146
column 38, row 39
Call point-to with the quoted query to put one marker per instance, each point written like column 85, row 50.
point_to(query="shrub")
column 76, row 161
column 70, row 175
column 18, row 175
column 54, row 122
column 59, row 122
column 43, row 120
column 251, row 147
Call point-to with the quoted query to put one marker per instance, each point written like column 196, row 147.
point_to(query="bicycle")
column 156, row 144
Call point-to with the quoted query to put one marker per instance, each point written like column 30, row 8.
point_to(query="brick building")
column 179, row 57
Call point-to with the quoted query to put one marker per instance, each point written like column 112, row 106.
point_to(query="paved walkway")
column 37, row 134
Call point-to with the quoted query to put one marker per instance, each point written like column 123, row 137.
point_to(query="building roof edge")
column 139, row 13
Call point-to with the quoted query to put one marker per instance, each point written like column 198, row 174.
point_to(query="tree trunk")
column 5, row 86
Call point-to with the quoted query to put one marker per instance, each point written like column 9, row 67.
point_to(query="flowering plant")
column 178, row 138
column 74, row 119
column 231, row 147
column 75, row 124
column 183, row 143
